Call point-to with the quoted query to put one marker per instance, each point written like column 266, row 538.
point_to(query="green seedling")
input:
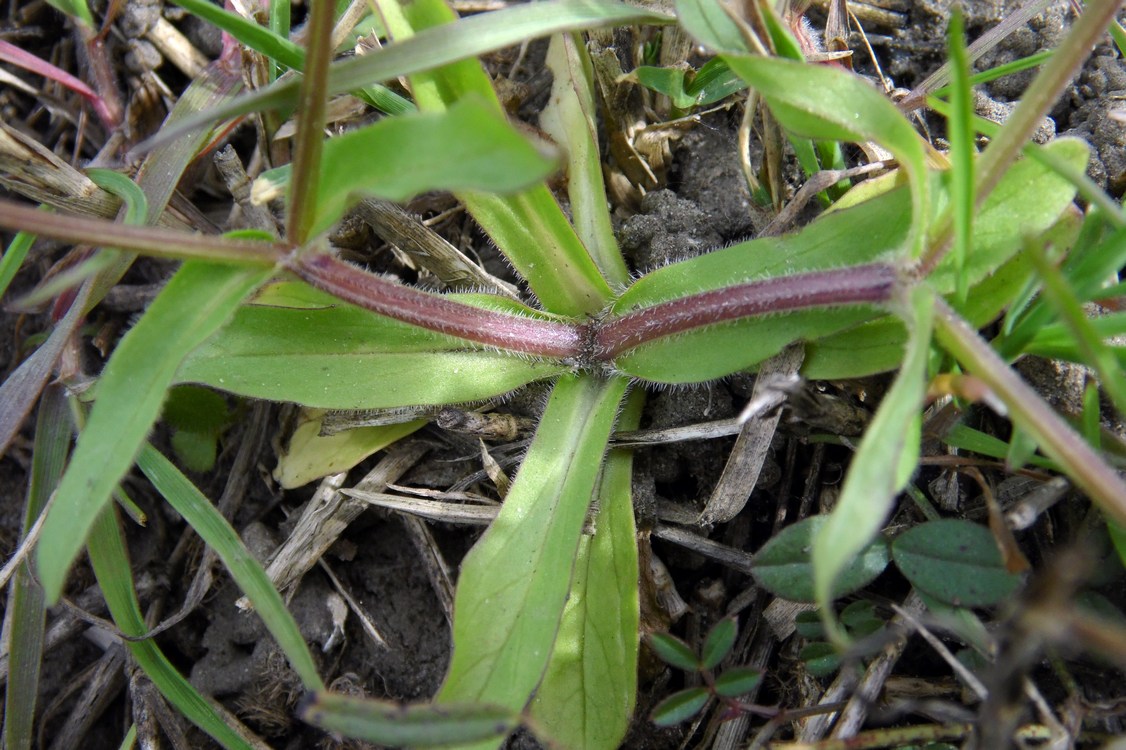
column 726, row 687
column 546, row 615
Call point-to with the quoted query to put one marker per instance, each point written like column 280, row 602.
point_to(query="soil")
column 703, row 204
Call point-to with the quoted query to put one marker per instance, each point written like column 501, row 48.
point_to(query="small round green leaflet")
column 719, row 642
column 784, row 567
column 738, row 681
column 680, row 707
column 820, row 658
column 674, row 652
column 954, row 561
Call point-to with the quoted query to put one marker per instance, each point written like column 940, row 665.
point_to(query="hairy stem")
column 874, row 283
column 538, row 338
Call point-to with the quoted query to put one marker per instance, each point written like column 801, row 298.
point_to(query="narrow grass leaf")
column 110, row 561
column 956, row 562
column 415, row 726
column 25, row 598
column 13, row 258
column 217, row 533
column 470, row 146
column 960, row 132
column 197, row 301
column 468, row 38
column 282, row 353
column 1096, row 354
column 587, row 694
column 680, row 707
column 258, row 38
column 514, row 583
column 719, row 642
column 883, row 463
column 785, row 566
column 570, row 118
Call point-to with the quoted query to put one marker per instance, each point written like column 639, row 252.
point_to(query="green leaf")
column 368, row 362
column 196, row 302
column 218, row 534
column 713, row 82
column 197, row 416
column 570, row 118
column 713, row 352
column 719, row 642
column 470, row 146
column 397, row 725
column 960, row 132
column 826, row 103
column 111, row 565
column 311, row 455
column 784, row 566
column 667, row 81
column 25, row 607
column 674, row 652
column 514, row 582
column 587, row 695
column 680, row 707
column 820, row 658
column 738, row 681
column 956, row 562
column 530, row 228
column 259, row 38
column 708, row 23
column 808, row 625
column 883, row 464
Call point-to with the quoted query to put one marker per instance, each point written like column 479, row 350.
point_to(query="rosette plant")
column 546, row 614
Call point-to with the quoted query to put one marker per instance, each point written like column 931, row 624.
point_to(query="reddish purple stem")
column 873, row 283
column 596, row 343
column 540, row 338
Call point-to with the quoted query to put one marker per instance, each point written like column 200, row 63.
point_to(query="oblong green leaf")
column 737, row 681
column 955, row 561
column 467, row 147
column 397, row 725
column 884, row 462
column 784, row 565
column 514, row 583
column 674, row 652
column 587, row 694
column 196, row 302
column 328, row 354
column 719, row 642
column 680, row 707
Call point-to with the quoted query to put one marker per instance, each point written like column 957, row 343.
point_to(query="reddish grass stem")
column 874, row 283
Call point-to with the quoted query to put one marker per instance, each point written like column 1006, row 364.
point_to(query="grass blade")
column 111, row 565
column 960, row 132
column 26, row 601
column 198, row 300
column 206, row 520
